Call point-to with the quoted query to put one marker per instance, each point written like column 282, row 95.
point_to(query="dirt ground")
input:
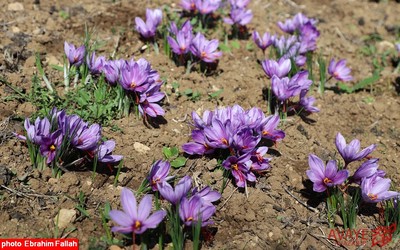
column 270, row 218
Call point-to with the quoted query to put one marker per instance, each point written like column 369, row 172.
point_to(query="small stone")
column 141, row 148
column 52, row 60
column 15, row 7
column 338, row 220
column 115, row 247
column 15, row 29
column 270, row 234
column 64, row 217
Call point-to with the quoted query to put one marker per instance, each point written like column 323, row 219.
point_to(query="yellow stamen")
column 224, row 141
column 189, row 219
column 235, row 167
column 203, row 54
column 133, row 85
column 137, row 225
column 373, row 196
column 327, row 180
column 52, row 148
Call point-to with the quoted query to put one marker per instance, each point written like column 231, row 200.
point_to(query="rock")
column 338, row 220
column 115, row 247
column 15, row 7
column 141, row 148
column 64, row 217
column 15, row 29
column 384, row 46
column 52, row 60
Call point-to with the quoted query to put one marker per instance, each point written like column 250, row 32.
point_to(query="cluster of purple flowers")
column 238, row 133
column 374, row 187
column 239, row 15
column 203, row 7
column 61, row 136
column 302, row 39
column 148, row 29
column 193, row 204
column 137, row 78
column 182, row 41
column 290, row 50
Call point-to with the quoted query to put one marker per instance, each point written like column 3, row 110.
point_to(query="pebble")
column 64, row 217
column 114, row 247
column 15, row 7
column 141, row 148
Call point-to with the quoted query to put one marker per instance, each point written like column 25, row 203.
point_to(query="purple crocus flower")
column 134, row 78
column 397, row 47
column 239, row 16
column 148, row 102
column 324, row 177
column 299, row 82
column 366, row 170
column 204, row 49
column 240, row 168
column 199, row 145
column 259, row 162
column 277, row 68
column 308, row 38
column 75, row 55
column 217, row 135
column 111, row 72
column 281, row 88
column 193, row 210
column 291, row 25
column 244, row 141
column 339, row 71
column 186, row 28
column 158, row 173
column 207, row 6
column 263, row 42
column 36, row 131
column 306, row 102
column 88, row 139
column 181, row 45
column 49, row 145
column 153, row 19
column 175, row 195
column 350, row 152
column 376, row 189
column 188, row 5
column 104, row 153
column 135, row 219
column 207, row 195
column 239, row 4
column 95, row 64
column 268, row 128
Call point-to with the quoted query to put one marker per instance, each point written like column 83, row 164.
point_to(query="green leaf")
column 235, row 44
column 367, row 81
column 175, row 85
column 216, row 93
column 57, row 67
column 178, row 162
column 345, row 88
column 188, row 92
column 224, row 47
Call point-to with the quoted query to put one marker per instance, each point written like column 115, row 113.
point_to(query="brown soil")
column 270, row 218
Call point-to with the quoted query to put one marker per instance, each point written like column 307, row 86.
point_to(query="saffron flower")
column 188, row 5
column 88, row 139
column 104, row 153
column 240, row 168
column 158, row 173
column 298, row 21
column 148, row 102
column 148, row 29
column 49, row 145
column 259, row 162
column 366, row 170
column 75, row 55
column 95, row 64
column 207, row 195
column 376, row 189
column 239, row 16
column 263, row 42
column 193, row 210
column 135, row 219
column 351, row 152
column 181, row 45
column 239, row 4
column 339, row 71
column 204, row 49
column 134, row 78
column 277, row 68
column 36, row 131
column 324, row 177
column 306, row 102
column 268, row 128
column 207, row 6
column 111, row 72
column 175, row 195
